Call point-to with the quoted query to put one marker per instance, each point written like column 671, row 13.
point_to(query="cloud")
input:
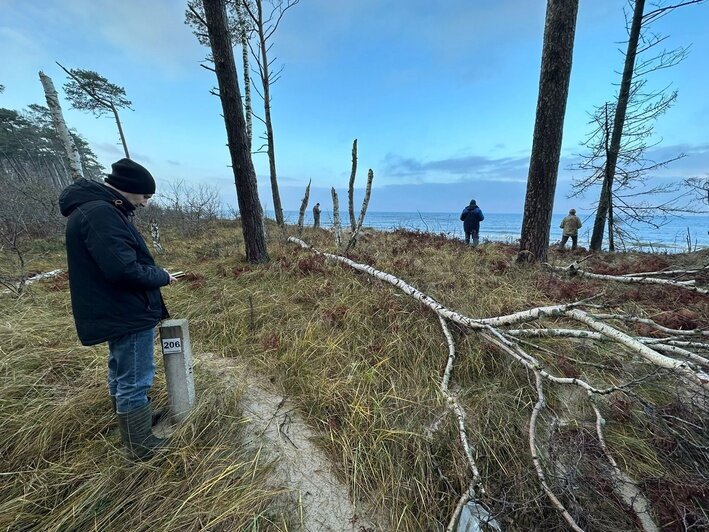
column 173, row 163
column 694, row 163
column 107, row 148
column 153, row 32
column 468, row 167
column 459, row 38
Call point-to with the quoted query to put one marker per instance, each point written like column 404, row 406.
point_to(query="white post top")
column 173, row 323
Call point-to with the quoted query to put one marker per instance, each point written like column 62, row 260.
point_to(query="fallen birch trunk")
column 573, row 269
column 55, row 109
column 661, row 344
column 643, row 350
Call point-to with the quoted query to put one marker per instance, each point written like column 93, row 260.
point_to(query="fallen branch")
column 574, row 270
column 661, row 272
column 535, row 458
column 661, row 344
column 623, row 485
column 643, row 350
column 653, row 324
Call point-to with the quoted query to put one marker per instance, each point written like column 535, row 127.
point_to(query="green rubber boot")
column 136, row 433
column 156, row 415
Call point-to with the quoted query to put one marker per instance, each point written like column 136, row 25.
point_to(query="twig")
column 535, row 457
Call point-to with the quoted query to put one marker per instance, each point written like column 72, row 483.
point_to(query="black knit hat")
column 129, row 176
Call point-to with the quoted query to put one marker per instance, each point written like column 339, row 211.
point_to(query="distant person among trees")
column 115, row 291
column 571, row 225
column 471, row 218
column 316, row 215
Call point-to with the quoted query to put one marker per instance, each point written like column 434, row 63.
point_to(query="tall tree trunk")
column 243, row 35
column 611, row 242
column 618, row 123
column 557, row 54
column 55, row 109
column 120, row 130
column 350, row 193
column 230, row 96
column 267, row 114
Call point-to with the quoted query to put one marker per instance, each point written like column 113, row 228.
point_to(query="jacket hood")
column 82, row 191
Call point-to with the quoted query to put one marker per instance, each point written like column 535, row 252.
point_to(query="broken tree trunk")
column 72, row 152
column 303, row 206
column 350, row 193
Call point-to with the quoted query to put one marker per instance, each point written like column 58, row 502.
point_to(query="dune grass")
column 364, row 363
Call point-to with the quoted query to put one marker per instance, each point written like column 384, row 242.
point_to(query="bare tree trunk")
column 557, row 54
column 230, row 96
column 353, row 222
column 303, row 206
column 120, row 130
column 246, row 70
column 265, row 79
column 618, row 123
column 336, row 219
column 55, row 109
column 365, row 204
column 611, row 241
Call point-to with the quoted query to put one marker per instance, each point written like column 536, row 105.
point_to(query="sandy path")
column 274, row 425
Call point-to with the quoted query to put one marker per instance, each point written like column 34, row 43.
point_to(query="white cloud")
column 152, row 32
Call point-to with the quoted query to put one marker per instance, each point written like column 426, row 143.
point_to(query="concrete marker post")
column 177, row 356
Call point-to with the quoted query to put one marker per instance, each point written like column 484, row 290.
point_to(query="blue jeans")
column 475, row 234
column 131, row 369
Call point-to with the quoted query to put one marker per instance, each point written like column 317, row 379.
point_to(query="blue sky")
column 440, row 95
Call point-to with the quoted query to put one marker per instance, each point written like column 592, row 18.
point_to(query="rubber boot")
column 156, row 416
column 137, row 435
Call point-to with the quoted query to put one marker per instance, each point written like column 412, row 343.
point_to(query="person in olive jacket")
column 571, row 225
column 471, row 218
column 115, row 290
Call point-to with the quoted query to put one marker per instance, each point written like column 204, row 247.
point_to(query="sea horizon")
column 674, row 235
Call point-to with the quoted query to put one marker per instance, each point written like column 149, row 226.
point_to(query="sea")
column 675, row 235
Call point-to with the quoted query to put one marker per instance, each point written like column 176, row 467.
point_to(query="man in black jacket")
column 471, row 218
column 115, row 290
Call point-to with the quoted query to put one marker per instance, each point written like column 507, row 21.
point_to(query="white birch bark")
column 661, row 272
column 336, row 219
column 624, row 486
column 643, row 350
column 243, row 37
column 365, row 204
column 303, row 206
column 573, row 270
column 535, row 456
column 55, row 109
column 654, row 324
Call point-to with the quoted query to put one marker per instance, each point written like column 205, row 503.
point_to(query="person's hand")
column 173, row 279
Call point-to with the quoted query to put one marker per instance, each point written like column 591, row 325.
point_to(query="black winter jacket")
column 471, row 218
column 114, row 283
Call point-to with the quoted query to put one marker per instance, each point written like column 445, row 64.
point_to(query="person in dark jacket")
column 471, row 218
column 115, row 290
column 316, row 216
